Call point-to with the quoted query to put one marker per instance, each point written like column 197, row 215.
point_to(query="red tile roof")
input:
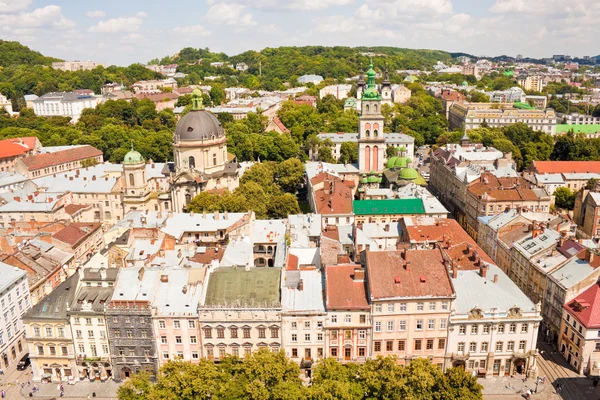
column 335, row 197
column 76, row 232
column 586, row 307
column 157, row 97
column 292, row 264
column 72, row 209
column 452, row 95
column 502, row 189
column 343, row 291
column 16, row 146
column 558, row 167
column 40, row 161
column 280, row 125
column 407, row 273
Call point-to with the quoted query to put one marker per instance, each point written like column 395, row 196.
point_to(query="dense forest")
column 265, row 375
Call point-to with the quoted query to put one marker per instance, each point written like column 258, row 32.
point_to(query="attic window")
column 189, row 129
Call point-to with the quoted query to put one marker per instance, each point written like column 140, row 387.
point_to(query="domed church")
column 201, row 162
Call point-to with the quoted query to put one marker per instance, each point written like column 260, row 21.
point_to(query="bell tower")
column 371, row 143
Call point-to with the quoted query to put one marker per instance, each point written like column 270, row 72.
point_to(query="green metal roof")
column 523, row 106
column 585, row 129
column 388, row 206
column 133, row 157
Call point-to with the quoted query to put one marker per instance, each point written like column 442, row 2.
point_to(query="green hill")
column 13, row 53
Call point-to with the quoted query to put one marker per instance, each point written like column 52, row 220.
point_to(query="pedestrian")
column 3, row 393
column 1, row 371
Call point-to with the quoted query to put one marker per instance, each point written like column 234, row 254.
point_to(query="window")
column 48, row 331
column 429, row 344
column 129, row 333
column 88, row 321
column 419, row 325
column 208, row 333
column 334, row 335
column 294, row 325
column 191, row 324
column 442, row 324
column 484, row 347
column 105, row 349
column 306, row 324
column 474, row 329
column 362, row 319
column 233, row 332
column 294, row 337
column 501, row 328
column 431, row 324
column 401, row 345
column 418, row 344
column 378, row 307
column 36, row 331
column 510, row 346
column 161, row 324
column 597, row 346
column 178, row 340
column 403, row 307
column 176, row 324
column 512, row 328
column 389, row 345
column 445, row 305
column 165, row 355
column 294, row 353
column 377, row 346
column 441, row 344
column 334, row 350
column 402, row 325
column 472, row 347
column 522, row 345
column 391, row 308
column 524, row 328
column 347, row 335
column 461, row 347
column 347, row 319
column 462, row 329
column 432, row 306
column 117, row 333
column 420, row 306
column 362, row 334
column 52, row 350
column 195, row 355
column 334, row 319
column 262, row 333
column 220, row 333
column 40, row 350
column 361, row 351
column 307, row 337
column 378, row 326
column 214, row 159
column 486, row 329
column 319, row 337
column 163, row 340
column 499, row 346
column 90, row 334
column 390, row 326
column 274, row 333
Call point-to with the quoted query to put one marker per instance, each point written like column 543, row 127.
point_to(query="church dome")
column 390, row 163
column 372, row 179
column 408, row 174
column 133, row 157
column 402, row 162
column 198, row 125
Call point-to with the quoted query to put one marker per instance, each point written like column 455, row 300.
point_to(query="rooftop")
column 302, row 290
column 585, row 307
column 407, row 274
column 17, row 146
column 54, row 305
column 9, row 275
column 346, row 288
column 40, row 161
column 238, row 288
column 558, row 167
column 178, row 293
column 76, row 232
column 388, row 206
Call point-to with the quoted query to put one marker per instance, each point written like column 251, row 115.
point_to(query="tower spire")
column 197, row 100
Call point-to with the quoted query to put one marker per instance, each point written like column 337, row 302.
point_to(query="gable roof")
column 586, row 307
column 343, row 291
column 55, row 305
column 558, row 167
column 45, row 160
column 76, row 232
column 16, row 146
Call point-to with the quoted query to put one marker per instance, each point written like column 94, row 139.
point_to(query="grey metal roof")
column 9, row 275
column 572, row 272
column 198, row 125
column 54, row 305
column 310, row 298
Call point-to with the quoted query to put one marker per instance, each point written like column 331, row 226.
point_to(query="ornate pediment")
column 514, row 312
column 476, row 313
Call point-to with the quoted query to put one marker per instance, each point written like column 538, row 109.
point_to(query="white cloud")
column 230, row 14
column 47, row 17
column 403, row 10
column 95, row 14
column 192, row 30
column 10, row 6
column 117, row 25
column 141, row 14
column 287, row 5
column 132, row 37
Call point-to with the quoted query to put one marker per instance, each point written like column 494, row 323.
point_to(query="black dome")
column 198, row 125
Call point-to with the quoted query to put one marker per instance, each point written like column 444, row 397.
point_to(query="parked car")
column 24, row 363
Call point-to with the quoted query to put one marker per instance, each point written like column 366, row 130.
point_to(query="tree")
column 349, row 152
column 290, row 173
column 475, row 96
column 564, row 198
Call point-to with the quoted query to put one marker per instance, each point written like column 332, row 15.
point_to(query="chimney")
column 141, row 274
column 225, row 215
column 495, row 278
column 359, row 275
column 403, row 253
column 93, row 177
column 164, row 278
column 102, row 273
column 454, row 271
column 184, row 290
column 589, row 255
column 449, row 243
column 407, row 266
column 386, row 228
column 216, row 215
column 469, row 248
column 483, row 270
column 70, row 178
column 396, row 279
column 301, row 285
column 159, row 215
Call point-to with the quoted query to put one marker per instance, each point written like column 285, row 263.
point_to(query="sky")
column 122, row 32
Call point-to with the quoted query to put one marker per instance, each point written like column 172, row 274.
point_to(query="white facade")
column 64, row 104
column 14, row 302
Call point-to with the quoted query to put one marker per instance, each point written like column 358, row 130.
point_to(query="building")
column 242, row 67
column 129, row 322
column 539, row 102
column 331, row 197
column 338, row 91
column 532, row 83
column 411, row 299
column 491, row 195
column 580, row 330
column 80, row 239
column 64, row 104
column 389, row 211
column 314, row 79
column 154, row 85
column 277, row 126
column 88, row 323
column 12, row 150
column 48, row 335
column 241, row 312
column 76, row 65
column 14, row 297
column 348, row 327
column 472, row 115
column 397, row 140
column 585, row 214
column 162, row 101
column 175, row 314
column 449, row 97
column 303, row 314
column 6, row 104
column 201, row 159
column 578, row 119
column 64, row 160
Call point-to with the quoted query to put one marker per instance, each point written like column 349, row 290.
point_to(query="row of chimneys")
column 216, row 215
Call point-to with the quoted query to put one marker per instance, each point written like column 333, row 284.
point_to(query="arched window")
column 375, row 107
column 192, row 162
column 367, row 133
column 367, row 108
column 214, row 159
column 188, row 198
column 375, row 133
column 131, row 180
